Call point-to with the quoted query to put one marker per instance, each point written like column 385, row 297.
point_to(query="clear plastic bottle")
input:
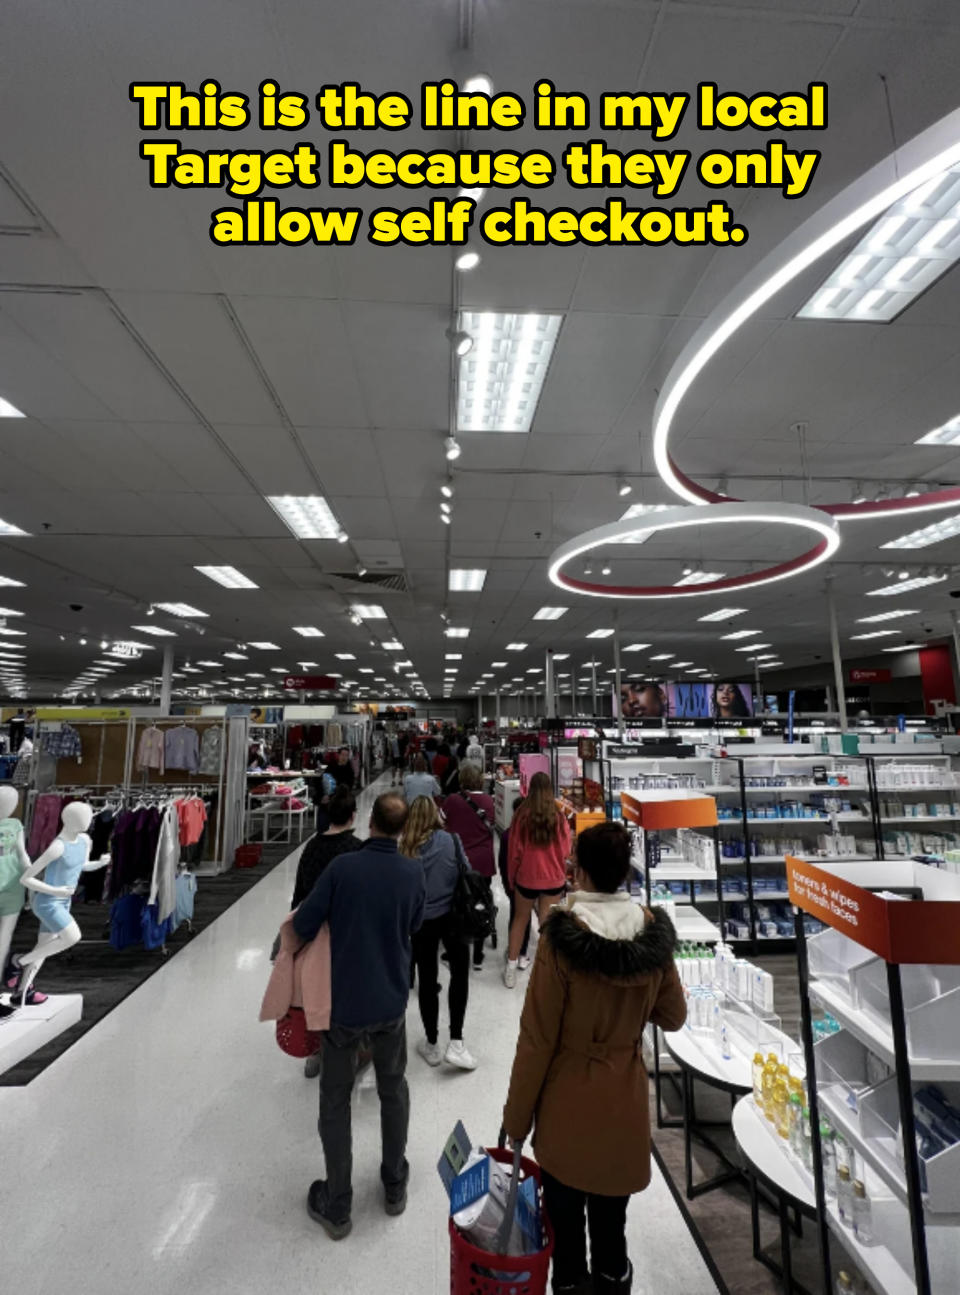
column 862, row 1214
column 795, row 1121
column 844, row 1196
column 758, row 1064
column 806, row 1146
column 781, row 1115
column 828, row 1154
column 768, row 1081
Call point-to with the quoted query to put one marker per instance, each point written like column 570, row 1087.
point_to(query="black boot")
column 614, row 1286
column 583, row 1287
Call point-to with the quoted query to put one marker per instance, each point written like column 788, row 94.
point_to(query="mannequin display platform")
column 64, row 860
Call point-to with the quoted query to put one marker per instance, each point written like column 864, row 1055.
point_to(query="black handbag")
column 473, row 913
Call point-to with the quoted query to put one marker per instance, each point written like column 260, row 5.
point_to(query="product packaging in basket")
column 478, row 1199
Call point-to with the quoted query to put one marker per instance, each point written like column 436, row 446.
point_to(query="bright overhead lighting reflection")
column 309, row 517
column 9, row 411
column 905, row 586
column 6, row 582
column 181, row 609
column 229, row 577
column 935, row 533
column 264, row 645
column 308, row 631
column 947, row 433
column 699, row 578
column 369, row 611
column 550, row 613
column 752, row 647
column 467, row 260
column 468, row 580
column 599, row 634
column 156, row 630
column 908, row 249
column 723, row 614
column 903, row 647
column 741, row 634
column 662, row 656
column 876, row 634
column 452, row 632
column 635, row 647
column 887, row 616
column 501, row 378
column 516, row 647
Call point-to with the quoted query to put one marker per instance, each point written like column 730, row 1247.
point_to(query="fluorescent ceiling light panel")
column 308, row 631
column 935, row 533
column 180, row 609
column 904, row 647
column 229, row 577
column 156, row 630
column 599, row 634
column 550, row 613
column 886, row 616
column 501, row 377
column 516, row 647
column 453, row 656
column 677, row 665
column 466, row 580
column 699, row 578
column 265, row 646
column 7, row 583
column 875, row 634
column 741, row 634
column 9, row 411
column 369, row 611
column 349, row 656
column 905, row 586
column 947, row 434
column 662, row 656
column 236, row 656
column 913, row 243
column 636, row 647
column 723, row 614
column 640, row 510
column 392, row 645
column 753, row 647
column 309, row 517
column 452, row 633
column 366, row 669
column 11, row 633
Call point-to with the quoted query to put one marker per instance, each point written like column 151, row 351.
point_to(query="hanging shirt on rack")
column 63, row 743
column 211, row 751
column 182, row 749
column 151, row 748
column 163, row 886
column 101, row 829
column 192, row 815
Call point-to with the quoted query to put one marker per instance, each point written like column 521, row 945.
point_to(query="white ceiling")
column 171, row 384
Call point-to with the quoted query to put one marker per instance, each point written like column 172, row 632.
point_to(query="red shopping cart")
column 479, row 1272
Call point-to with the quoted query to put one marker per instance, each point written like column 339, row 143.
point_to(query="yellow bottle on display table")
column 767, row 1083
column 758, row 1064
column 781, row 1109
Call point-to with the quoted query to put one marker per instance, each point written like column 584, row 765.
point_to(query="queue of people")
column 603, row 969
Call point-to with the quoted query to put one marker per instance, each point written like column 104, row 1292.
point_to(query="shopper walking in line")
column 421, row 782
column 523, row 962
column 440, row 854
column 470, row 815
column 536, row 863
column 441, row 762
column 324, row 847
column 373, row 901
column 604, row 969
column 342, row 771
column 396, row 760
column 450, row 782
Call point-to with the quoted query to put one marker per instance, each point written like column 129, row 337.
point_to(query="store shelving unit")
column 891, row 977
column 908, row 781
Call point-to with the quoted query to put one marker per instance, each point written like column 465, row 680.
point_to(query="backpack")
column 473, row 913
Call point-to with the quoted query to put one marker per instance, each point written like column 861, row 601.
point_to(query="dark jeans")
column 426, row 948
column 388, row 1043
column 607, row 1220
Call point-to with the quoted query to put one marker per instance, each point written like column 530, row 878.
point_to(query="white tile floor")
column 171, row 1148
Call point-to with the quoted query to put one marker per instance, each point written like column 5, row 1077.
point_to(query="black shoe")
column 612, row 1285
column 317, row 1209
column 582, row 1287
column 395, row 1202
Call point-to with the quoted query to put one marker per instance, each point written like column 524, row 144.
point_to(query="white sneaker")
column 524, row 962
column 457, row 1055
column 430, row 1052
column 510, row 975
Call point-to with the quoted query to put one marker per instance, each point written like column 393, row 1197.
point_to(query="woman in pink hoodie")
column 536, row 864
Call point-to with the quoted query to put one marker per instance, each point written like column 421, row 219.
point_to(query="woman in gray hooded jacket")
column 441, row 854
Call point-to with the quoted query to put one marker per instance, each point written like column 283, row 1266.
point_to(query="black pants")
column 478, row 944
column 388, row 1043
column 426, row 950
column 606, row 1217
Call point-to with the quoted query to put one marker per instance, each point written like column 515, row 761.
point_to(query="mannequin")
column 14, row 861
column 66, row 858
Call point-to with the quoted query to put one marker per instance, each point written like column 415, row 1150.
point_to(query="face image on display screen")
column 731, row 701
column 643, row 699
column 710, row 700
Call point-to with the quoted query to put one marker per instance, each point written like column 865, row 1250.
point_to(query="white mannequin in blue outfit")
column 64, row 859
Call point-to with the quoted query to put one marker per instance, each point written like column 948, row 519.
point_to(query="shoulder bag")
column 473, row 913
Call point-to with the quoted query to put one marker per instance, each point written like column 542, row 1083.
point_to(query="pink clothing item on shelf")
column 45, row 825
column 301, row 977
column 539, row 867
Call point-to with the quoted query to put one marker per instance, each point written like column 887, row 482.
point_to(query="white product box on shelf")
column 880, row 1126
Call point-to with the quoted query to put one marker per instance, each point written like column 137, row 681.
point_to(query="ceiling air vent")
column 395, row 580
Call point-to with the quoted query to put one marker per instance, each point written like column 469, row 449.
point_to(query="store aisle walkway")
column 171, row 1149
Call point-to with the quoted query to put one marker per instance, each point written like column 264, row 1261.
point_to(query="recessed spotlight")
column 623, row 487
column 467, row 260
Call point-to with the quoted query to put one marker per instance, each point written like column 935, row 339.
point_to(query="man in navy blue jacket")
column 373, row 900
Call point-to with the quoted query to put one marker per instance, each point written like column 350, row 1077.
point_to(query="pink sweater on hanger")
column 300, row 978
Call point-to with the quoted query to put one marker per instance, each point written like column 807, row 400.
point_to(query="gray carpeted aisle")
column 106, row 976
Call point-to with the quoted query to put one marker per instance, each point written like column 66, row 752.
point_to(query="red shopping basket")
column 248, row 856
column 478, row 1272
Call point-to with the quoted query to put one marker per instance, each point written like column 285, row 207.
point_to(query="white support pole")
column 593, row 688
column 617, row 676
column 551, row 695
column 166, row 682
column 837, row 659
